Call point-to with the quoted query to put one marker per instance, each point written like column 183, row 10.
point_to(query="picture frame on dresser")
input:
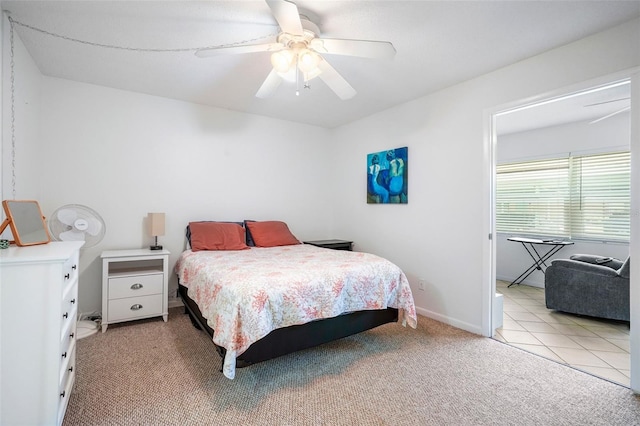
column 26, row 221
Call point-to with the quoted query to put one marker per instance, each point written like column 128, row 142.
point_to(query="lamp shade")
column 308, row 60
column 156, row 224
column 281, row 60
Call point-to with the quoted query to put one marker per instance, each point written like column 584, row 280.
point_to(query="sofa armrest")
column 598, row 260
column 580, row 266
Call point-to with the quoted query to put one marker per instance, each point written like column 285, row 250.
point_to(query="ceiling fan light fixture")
column 282, row 60
column 312, row 74
column 308, row 61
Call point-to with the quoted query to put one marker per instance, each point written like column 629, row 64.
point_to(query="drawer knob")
column 66, row 276
column 62, row 394
column 71, row 335
column 73, row 301
column 71, row 369
column 136, row 307
column 66, row 315
column 136, row 286
column 64, row 355
column 74, row 267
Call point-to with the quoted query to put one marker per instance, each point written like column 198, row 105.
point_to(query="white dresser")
column 134, row 285
column 39, row 306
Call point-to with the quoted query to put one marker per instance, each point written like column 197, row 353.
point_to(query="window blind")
column 600, row 196
column 531, row 197
column 584, row 197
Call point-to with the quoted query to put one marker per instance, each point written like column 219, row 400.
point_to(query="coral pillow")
column 217, row 236
column 271, row 234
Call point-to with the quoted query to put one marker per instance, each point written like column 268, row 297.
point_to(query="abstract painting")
column 387, row 176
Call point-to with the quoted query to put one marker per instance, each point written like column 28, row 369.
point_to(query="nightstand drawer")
column 135, row 286
column 135, row 307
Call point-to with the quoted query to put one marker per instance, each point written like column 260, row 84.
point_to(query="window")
column 578, row 197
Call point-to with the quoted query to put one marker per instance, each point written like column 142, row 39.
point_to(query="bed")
column 274, row 296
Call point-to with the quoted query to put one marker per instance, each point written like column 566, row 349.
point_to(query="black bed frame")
column 297, row 337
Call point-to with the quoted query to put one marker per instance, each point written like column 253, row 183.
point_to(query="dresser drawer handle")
column 66, row 315
column 136, row 286
column 66, row 276
column 136, row 307
column 74, row 267
column 71, row 335
column 71, row 369
column 64, row 355
column 62, row 394
column 72, row 301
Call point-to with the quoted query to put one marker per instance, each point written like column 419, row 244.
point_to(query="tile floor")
column 597, row 346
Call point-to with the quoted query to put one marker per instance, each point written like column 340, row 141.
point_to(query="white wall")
column 441, row 235
column 578, row 138
column 126, row 154
column 26, row 124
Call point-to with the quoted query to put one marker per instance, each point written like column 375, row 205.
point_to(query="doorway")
column 561, row 124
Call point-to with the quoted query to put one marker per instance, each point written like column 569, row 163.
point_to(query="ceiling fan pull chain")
column 306, row 85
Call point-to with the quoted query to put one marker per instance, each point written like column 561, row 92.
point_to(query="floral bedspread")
column 246, row 294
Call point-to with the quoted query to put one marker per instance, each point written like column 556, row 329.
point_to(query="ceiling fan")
column 616, row 112
column 298, row 49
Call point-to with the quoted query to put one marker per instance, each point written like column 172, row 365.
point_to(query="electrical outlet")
column 421, row 285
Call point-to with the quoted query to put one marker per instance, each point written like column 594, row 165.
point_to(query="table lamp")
column 156, row 228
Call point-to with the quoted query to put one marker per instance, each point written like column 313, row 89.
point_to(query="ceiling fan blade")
column 237, row 50
column 287, row 15
column 335, row 81
column 607, row 102
column 611, row 115
column 270, row 85
column 360, row 48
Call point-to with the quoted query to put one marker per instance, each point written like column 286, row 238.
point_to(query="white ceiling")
column 438, row 43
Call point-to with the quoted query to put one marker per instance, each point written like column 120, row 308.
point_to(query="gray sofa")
column 589, row 285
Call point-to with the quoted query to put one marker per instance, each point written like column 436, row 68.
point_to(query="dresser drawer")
column 68, row 337
column 135, row 286
column 70, row 298
column 67, row 377
column 68, row 321
column 70, row 269
column 67, row 366
column 135, row 307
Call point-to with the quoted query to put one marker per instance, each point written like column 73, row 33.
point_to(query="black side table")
column 332, row 244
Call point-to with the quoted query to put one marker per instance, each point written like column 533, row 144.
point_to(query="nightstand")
column 332, row 244
column 134, row 285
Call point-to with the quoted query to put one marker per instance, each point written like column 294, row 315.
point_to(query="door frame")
column 489, row 249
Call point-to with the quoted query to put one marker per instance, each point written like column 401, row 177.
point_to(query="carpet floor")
column 154, row 373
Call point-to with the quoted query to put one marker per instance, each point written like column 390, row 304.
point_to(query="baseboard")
column 450, row 321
